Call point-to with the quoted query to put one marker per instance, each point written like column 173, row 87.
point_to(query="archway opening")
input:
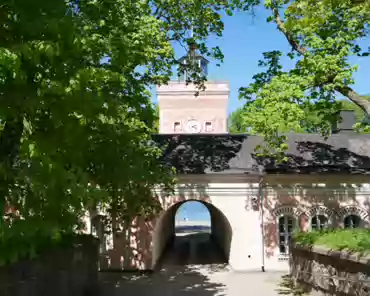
column 191, row 232
column 192, row 217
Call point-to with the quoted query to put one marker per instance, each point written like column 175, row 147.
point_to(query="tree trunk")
column 10, row 140
column 114, row 220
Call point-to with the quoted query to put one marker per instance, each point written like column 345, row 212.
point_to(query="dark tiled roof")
column 308, row 153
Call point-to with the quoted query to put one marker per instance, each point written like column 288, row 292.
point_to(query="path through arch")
column 189, row 242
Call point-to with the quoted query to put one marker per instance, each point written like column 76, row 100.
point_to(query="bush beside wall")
column 65, row 270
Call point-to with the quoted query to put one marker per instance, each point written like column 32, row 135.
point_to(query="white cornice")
column 170, row 93
column 218, row 178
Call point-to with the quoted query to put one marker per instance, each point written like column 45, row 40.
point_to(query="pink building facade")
column 252, row 218
column 255, row 204
column 181, row 111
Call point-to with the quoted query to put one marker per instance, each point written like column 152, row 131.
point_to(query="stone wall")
column 327, row 272
column 71, row 271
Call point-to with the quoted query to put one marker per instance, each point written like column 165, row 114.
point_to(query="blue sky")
column 245, row 38
column 193, row 210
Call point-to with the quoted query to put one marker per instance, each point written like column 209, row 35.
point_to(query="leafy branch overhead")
column 75, row 109
column 322, row 35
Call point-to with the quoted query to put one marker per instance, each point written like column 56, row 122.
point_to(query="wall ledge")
column 344, row 254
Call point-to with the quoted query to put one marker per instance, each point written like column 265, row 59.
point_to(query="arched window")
column 353, row 216
column 352, row 221
column 321, row 217
column 319, row 222
column 286, row 226
column 287, row 221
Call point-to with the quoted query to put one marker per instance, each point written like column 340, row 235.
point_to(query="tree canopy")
column 237, row 124
column 322, row 35
column 75, row 107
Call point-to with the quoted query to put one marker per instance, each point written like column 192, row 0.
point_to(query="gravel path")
column 184, row 272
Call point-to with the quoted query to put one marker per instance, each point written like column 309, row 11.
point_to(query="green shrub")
column 30, row 245
column 357, row 240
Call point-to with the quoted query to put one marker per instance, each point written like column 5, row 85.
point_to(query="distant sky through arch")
column 193, row 211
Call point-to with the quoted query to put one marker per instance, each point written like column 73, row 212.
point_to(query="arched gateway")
column 142, row 245
column 164, row 230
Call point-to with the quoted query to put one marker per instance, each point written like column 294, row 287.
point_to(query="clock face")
column 193, row 126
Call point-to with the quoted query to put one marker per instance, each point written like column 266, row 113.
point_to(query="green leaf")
column 321, row 36
column 76, row 128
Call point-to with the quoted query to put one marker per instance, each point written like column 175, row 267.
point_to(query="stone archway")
column 164, row 230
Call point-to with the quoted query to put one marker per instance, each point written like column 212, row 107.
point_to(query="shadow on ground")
column 174, row 281
column 193, row 248
column 193, row 265
column 286, row 287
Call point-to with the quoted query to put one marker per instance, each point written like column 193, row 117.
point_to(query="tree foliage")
column 237, row 123
column 156, row 120
column 322, row 35
column 75, row 108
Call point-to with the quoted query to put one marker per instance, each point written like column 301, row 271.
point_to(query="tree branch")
column 293, row 42
column 346, row 91
column 158, row 13
column 356, row 98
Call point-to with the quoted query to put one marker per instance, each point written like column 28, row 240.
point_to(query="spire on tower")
column 193, row 56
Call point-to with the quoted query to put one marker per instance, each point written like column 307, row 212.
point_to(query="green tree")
column 75, row 107
column 236, row 122
column 156, row 116
column 322, row 35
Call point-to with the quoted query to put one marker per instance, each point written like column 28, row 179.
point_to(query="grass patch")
column 355, row 240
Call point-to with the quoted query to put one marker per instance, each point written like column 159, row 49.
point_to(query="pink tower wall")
column 178, row 103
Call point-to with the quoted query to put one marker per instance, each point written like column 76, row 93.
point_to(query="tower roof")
column 193, row 57
column 197, row 55
column 194, row 53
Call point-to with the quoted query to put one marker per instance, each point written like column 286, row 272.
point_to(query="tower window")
column 177, row 126
column 208, row 126
column 203, row 66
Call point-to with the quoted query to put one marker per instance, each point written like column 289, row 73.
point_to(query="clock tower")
column 182, row 112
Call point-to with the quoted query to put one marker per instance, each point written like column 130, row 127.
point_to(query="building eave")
column 191, row 93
